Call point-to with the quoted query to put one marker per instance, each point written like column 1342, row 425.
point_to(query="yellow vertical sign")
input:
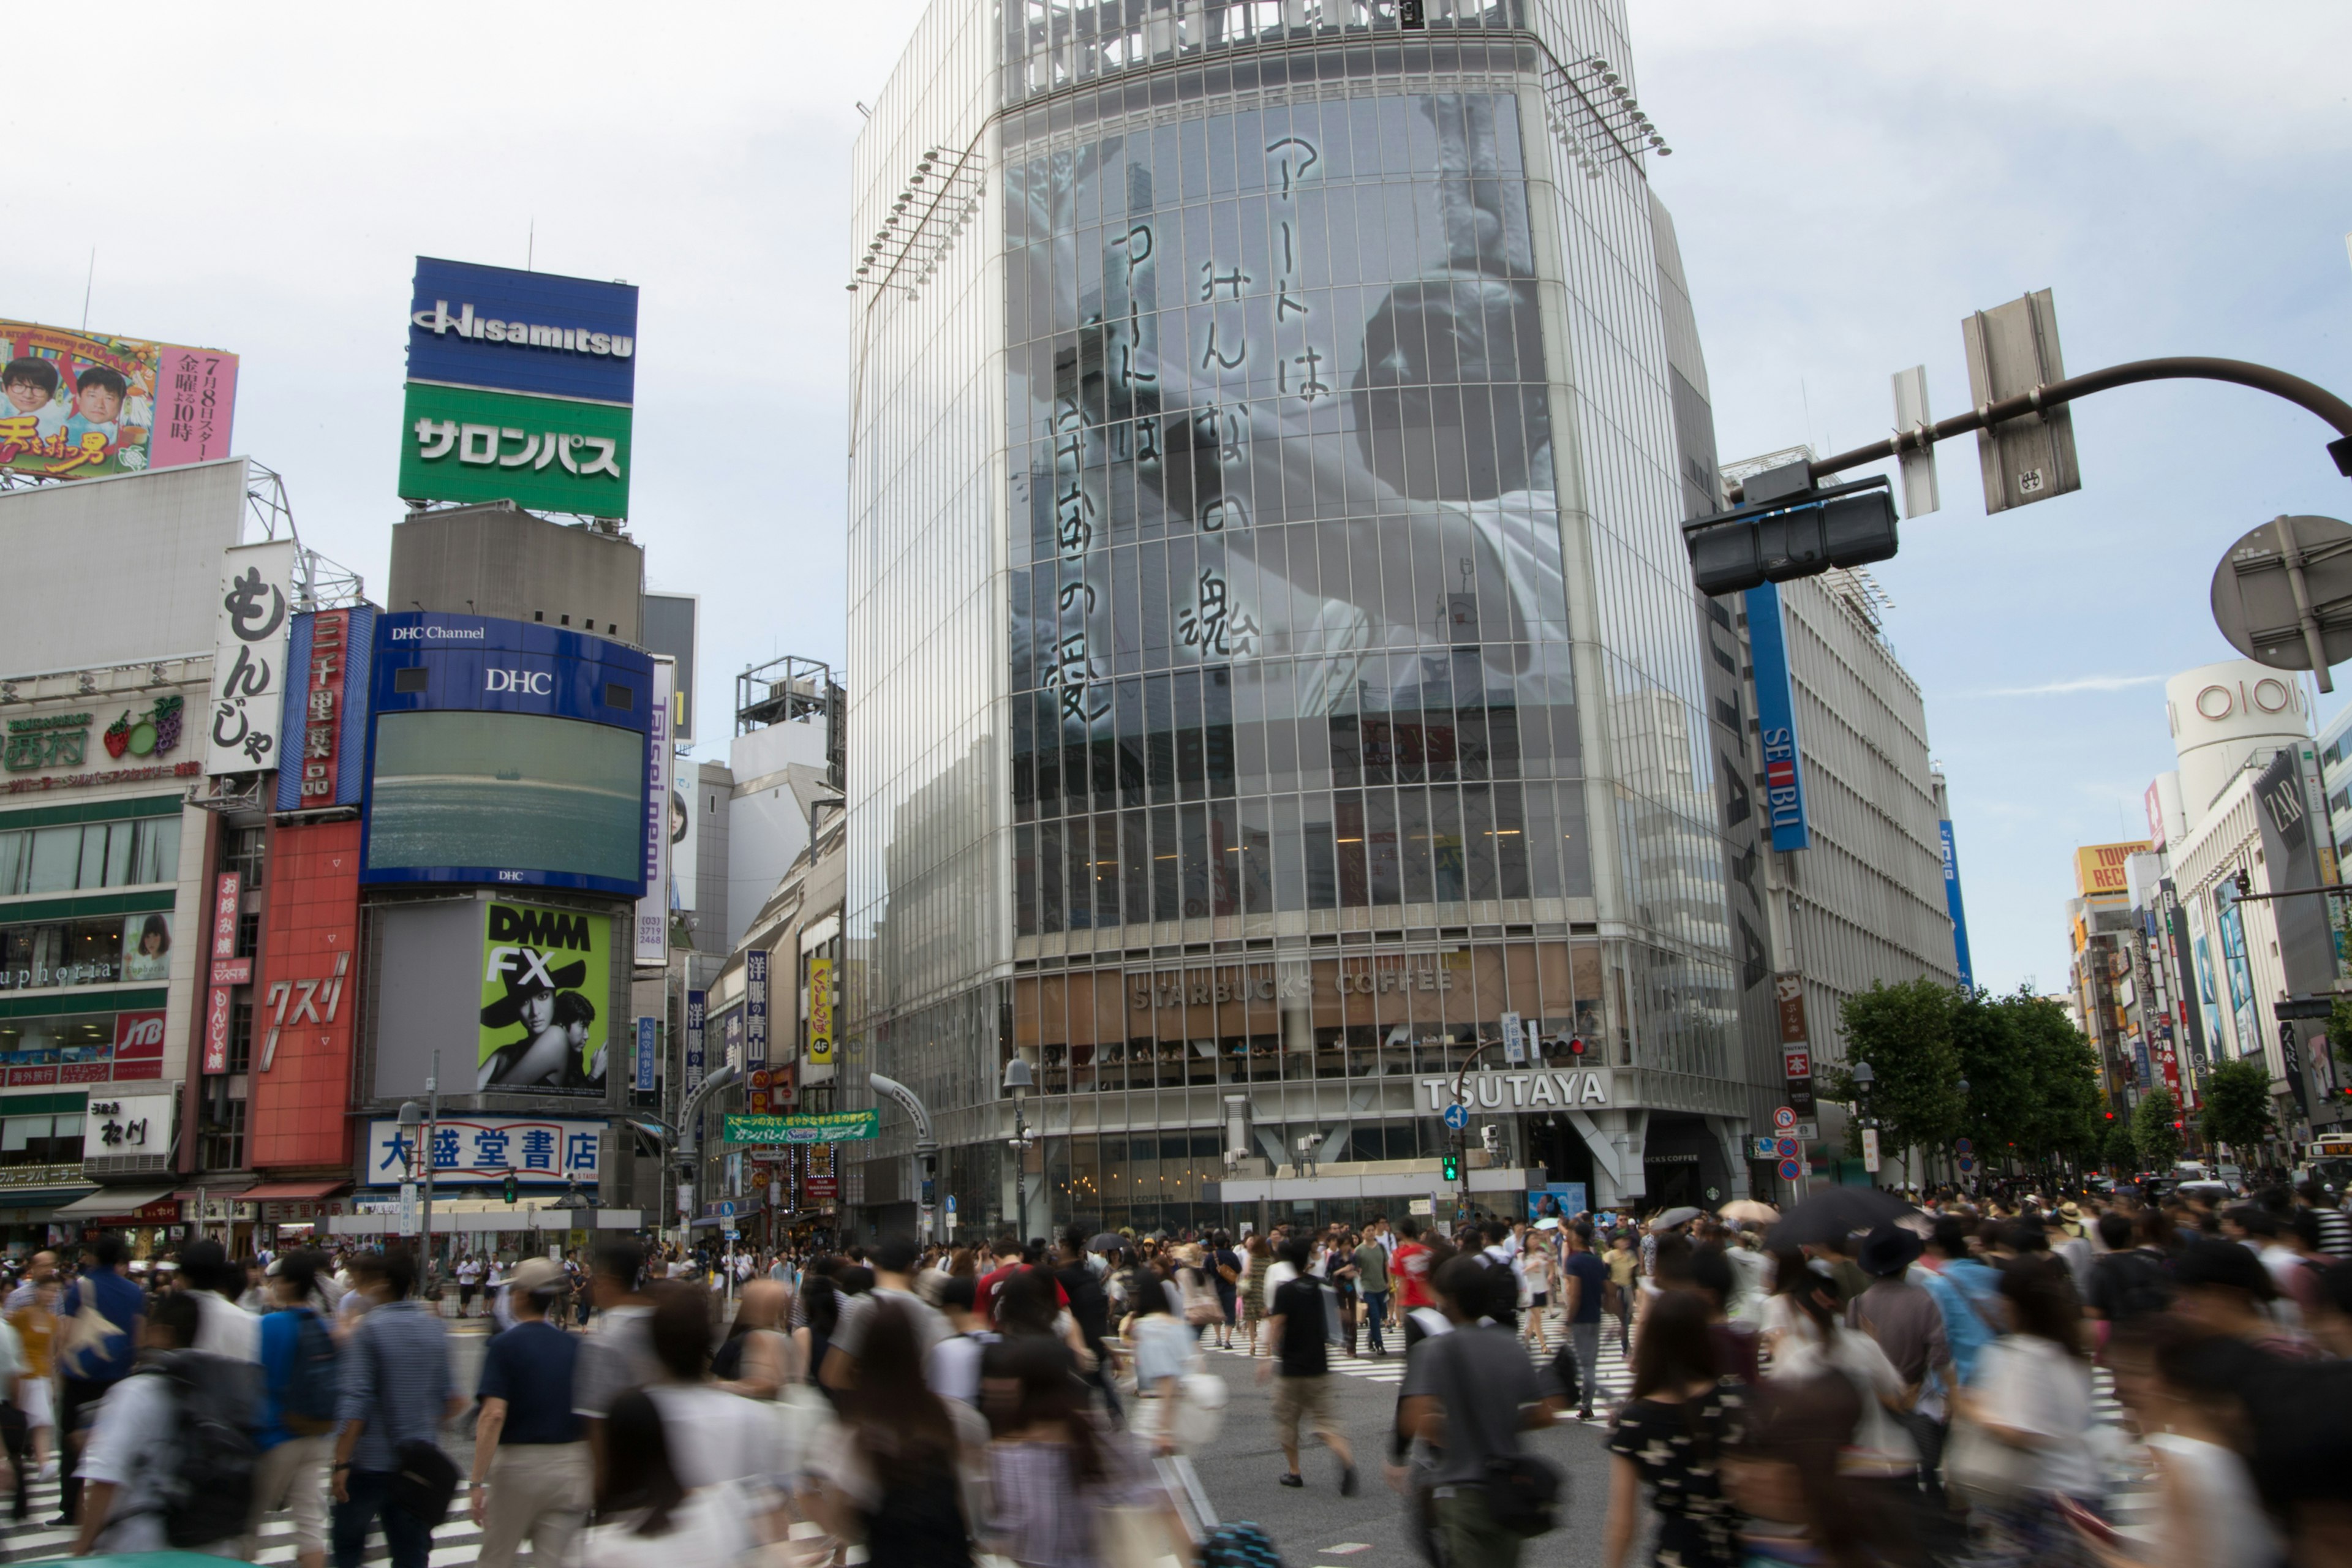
column 820, row 1012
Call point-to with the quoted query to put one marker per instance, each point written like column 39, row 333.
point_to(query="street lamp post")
column 1018, row 1081
column 1864, row 1078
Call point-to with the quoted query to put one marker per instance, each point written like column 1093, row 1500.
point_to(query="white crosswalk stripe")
column 1615, row 1375
column 456, row 1543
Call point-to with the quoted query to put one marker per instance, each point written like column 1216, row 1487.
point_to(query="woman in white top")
column 1534, row 1268
column 2182, row 1390
column 2032, row 1392
column 650, row 1517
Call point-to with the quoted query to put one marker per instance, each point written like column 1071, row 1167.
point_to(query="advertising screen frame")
column 538, row 671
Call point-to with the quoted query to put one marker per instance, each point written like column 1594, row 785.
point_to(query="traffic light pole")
column 2303, row 394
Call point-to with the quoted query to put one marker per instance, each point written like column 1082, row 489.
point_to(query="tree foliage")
column 2237, row 1104
column 2158, row 1139
column 1905, row 1033
column 2119, row 1148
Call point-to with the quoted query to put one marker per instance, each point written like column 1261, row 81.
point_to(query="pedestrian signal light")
column 1450, row 1167
column 2245, row 882
column 513, row 1187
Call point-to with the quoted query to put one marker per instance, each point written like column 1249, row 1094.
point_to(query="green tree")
column 2122, row 1154
column 2064, row 1119
column 2237, row 1105
column 1905, row 1033
column 2153, row 1133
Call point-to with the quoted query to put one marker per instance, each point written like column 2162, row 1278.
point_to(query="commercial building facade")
column 1275, row 667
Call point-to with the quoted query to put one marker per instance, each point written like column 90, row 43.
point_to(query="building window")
column 90, row 855
column 241, row 852
column 221, row 1128
column 248, row 934
column 240, row 1032
column 40, row 1140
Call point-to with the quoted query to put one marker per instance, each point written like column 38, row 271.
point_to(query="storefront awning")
column 225, row 1187
column 113, row 1200
column 282, row 1191
column 35, row 1199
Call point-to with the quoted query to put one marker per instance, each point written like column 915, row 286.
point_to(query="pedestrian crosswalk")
column 1615, row 1374
column 35, row 1539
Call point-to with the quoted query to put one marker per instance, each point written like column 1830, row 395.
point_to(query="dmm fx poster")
column 544, row 974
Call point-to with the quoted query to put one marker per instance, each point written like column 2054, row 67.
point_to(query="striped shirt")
column 395, row 1372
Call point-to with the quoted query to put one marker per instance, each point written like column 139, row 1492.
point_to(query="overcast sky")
column 1848, row 180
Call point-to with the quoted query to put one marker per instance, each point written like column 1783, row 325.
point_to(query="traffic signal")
column 512, row 1186
column 1449, row 1166
column 2110, row 1116
column 2245, row 882
column 1576, row 1044
column 1790, row 530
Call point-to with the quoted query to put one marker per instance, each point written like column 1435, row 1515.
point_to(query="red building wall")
column 307, row 992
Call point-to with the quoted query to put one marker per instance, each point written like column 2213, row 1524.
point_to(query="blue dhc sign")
column 1952, row 902
column 506, row 754
column 1776, row 714
column 522, row 331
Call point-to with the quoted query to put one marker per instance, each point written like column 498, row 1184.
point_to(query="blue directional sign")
column 1457, row 1116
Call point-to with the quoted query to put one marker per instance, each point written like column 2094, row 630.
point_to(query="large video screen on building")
column 517, row 792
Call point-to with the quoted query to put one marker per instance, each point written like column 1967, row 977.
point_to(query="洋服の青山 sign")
column 835, row 1126
column 466, row 444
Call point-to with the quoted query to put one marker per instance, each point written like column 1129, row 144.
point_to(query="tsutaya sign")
column 1535, row 1089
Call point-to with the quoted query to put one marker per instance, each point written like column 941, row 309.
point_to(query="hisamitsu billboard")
column 495, row 327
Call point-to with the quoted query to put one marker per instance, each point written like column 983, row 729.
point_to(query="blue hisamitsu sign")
column 1952, row 903
column 1776, row 715
column 535, row 332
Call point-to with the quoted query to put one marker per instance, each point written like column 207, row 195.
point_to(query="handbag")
column 1521, row 1489
column 1200, row 1304
column 1199, row 1413
column 1982, row 1469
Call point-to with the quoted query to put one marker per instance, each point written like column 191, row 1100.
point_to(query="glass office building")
column 1274, row 673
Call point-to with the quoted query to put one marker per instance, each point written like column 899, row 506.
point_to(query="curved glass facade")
column 1347, row 706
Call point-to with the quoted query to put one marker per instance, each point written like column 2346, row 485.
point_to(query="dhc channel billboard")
column 507, row 753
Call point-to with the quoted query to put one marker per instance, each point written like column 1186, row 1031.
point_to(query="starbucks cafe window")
column 40, row 1140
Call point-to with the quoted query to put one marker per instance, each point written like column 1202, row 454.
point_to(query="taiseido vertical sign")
column 755, row 1011
column 226, row 896
column 652, row 909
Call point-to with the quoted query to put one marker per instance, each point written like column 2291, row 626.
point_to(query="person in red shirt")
column 1410, row 1267
column 1010, row 1258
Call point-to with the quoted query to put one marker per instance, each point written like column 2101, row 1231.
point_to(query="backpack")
column 314, row 1386
column 1240, row 1544
column 209, row 1495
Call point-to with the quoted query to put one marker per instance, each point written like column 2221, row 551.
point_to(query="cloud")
column 2067, row 687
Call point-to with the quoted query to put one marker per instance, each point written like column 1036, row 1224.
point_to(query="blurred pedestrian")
column 533, row 1475
column 100, row 1324
column 396, row 1392
column 1468, row 1392
column 1672, row 1434
column 645, row 1516
column 2033, row 1395
column 1297, row 1327
column 907, row 1483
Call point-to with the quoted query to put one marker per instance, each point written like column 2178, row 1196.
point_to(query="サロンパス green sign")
column 463, row 444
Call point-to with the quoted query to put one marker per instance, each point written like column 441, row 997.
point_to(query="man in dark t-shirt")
column 532, row 1472
column 1298, row 1323
column 1584, row 1279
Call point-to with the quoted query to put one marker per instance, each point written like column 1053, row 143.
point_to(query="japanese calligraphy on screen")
column 544, row 974
column 1287, row 525
column 79, row 405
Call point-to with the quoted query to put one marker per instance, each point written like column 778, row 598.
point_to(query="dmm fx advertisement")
column 80, row 405
column 831, row 1126
column 542, row 973
column 545, row 453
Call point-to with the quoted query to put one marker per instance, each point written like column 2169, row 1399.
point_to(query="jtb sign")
column 1776, row 715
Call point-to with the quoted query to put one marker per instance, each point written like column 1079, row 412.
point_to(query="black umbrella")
column 1108, row 1241
column 1833, row 1213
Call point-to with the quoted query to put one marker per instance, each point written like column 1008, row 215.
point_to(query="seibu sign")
column 1535, row 1089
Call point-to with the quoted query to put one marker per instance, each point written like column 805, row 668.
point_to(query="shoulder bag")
column 423, row 1477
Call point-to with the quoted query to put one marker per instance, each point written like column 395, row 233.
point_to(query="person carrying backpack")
column 294, row 1432
column 170, row 1463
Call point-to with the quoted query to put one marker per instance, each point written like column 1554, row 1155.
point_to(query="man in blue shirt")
column 532, row 1470
column 96, row 1352
column 395, row 1378
column 290, row 1470
column 1584, row 1281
